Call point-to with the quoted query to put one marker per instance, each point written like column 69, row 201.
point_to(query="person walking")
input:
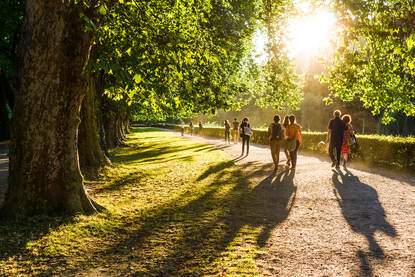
column 294, row 140
column 182, row 128
column 235, row 130
column 285, row 124
column 347, row 139
column 200, row 127
column 335, row 135
column 245, row 134
column 191, row 128
column 276, row 138
column 227, row 131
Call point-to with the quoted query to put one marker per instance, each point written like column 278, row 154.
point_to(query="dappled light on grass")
column 190, row 210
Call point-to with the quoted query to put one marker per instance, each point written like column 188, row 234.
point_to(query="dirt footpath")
column 354, row 222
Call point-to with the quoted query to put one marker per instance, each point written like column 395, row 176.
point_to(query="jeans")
column 245, row 139
column 335, row 145
column 293, row 154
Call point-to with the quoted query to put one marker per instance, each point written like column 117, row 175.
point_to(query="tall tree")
column 375, row 60
column 44, row 174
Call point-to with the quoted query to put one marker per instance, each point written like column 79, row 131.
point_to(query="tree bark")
column 44, row 173
column 111, row 114
column 91, row 157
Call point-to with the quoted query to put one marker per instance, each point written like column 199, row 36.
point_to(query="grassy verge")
column 174, row 207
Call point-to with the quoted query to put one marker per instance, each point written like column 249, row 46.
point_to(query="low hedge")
column 397, row 152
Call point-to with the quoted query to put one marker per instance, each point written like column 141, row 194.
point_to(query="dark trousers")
column 245, row 139
column 293, row 154
column 227, row 136
column 335, row 146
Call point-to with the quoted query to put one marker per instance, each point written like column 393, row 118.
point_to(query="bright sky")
column 311, row 34
column 308, row 35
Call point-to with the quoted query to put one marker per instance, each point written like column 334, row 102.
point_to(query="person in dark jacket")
column 245, row 137
column 276, row 138
column 335, row 136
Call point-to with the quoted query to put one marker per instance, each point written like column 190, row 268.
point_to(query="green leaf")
column 102, row 10
column 137, row 78
column 397, row 51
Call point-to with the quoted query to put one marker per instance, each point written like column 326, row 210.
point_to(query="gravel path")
column 354, row 222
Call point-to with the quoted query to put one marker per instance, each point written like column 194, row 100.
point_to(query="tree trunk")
column 91, row 157
column 111, row 119
column 44, row 175
column 99, row 115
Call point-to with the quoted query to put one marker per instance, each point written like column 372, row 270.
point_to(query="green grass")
column 174, row 207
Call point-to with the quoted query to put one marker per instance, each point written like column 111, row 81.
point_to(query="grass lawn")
column 174, row 207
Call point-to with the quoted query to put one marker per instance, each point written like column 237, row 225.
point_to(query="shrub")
column 392, row 151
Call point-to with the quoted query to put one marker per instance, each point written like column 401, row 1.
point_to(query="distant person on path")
column 276, row 138
column 191, row 128
column 335, row 137
column 347, row 139
column 200, row 127
column 294, row 140
column 245, row 135
column 235, row 130
column 182, row 128
column 287, row 153
column 227, row 126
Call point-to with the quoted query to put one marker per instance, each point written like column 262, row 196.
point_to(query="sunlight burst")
column 311, row 34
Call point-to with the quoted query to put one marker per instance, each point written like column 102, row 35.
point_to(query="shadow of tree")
column 152, row 153
column 363, row 212
column 14, row 236
column 214, row 169
column 206, row 226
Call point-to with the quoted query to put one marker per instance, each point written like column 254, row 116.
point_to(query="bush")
column 392, row 151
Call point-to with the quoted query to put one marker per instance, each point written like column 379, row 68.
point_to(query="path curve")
column 355, row 222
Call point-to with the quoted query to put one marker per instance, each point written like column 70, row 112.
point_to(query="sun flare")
column 311, row 34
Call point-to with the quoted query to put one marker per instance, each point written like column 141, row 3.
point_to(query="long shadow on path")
column 363, row 212
column 206, row 226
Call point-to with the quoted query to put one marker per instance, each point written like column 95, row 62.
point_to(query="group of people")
column 235, row 130
column 287, row 135
column 192, row 128
column 340, row 137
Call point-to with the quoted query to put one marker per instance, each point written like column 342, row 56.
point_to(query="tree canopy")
column 375, row 61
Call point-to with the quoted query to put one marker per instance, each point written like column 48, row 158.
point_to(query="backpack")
column 276, row 131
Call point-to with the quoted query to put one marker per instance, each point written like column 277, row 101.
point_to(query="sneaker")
column 333, row 164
